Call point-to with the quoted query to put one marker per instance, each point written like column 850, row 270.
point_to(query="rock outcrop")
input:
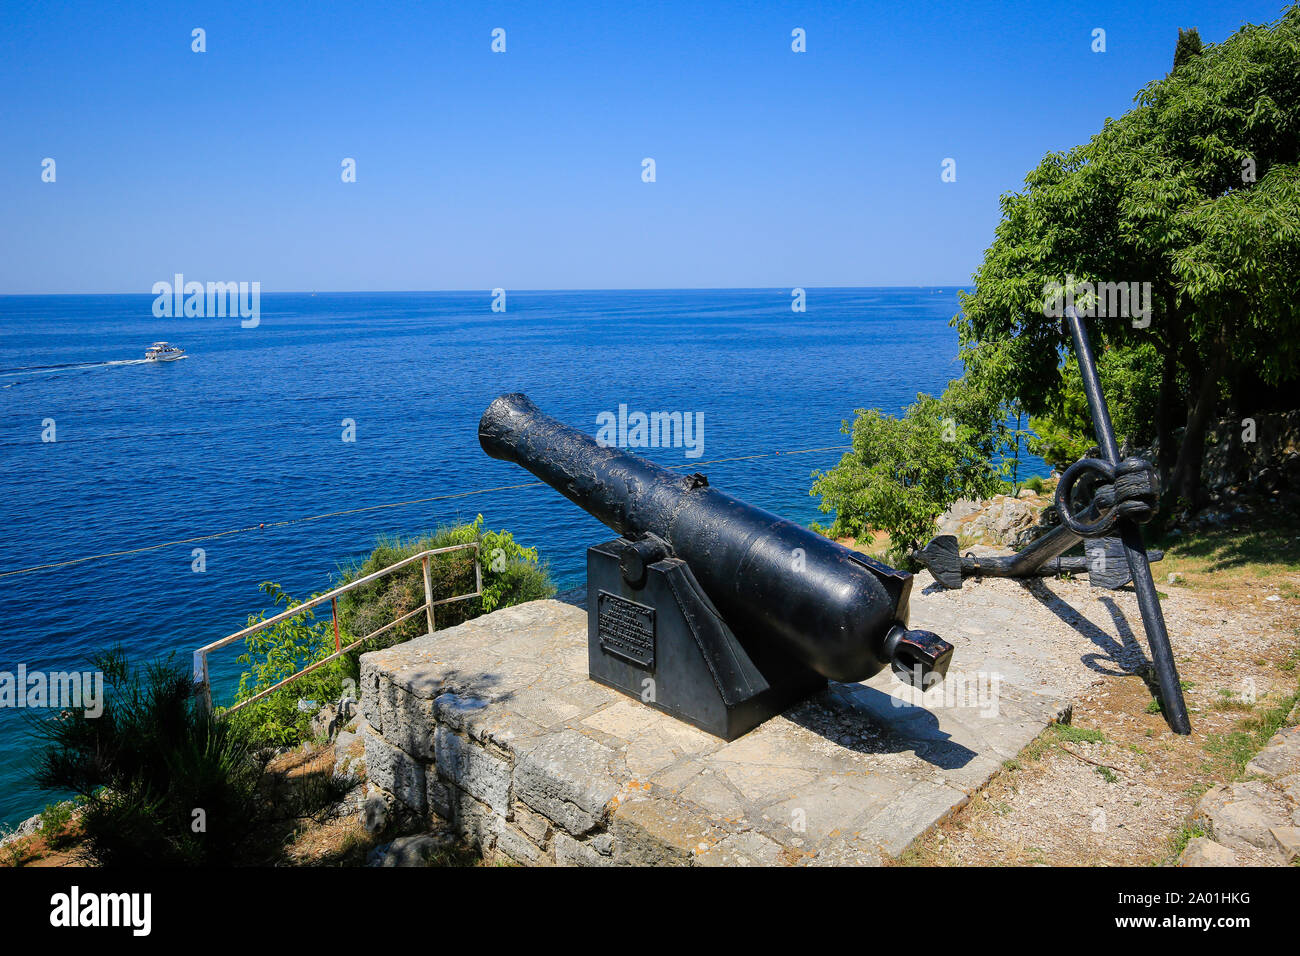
column 1003, row 520
column 1256, row 821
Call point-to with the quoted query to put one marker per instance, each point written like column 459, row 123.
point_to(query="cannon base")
column 659, row 638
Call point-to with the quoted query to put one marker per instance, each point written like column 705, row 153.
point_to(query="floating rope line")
column 352, row 511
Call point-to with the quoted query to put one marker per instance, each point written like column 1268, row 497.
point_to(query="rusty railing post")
column 428, row 593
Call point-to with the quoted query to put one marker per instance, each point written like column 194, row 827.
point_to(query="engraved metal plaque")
column 626, row 629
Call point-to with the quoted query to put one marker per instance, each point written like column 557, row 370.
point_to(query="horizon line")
column 738, row 288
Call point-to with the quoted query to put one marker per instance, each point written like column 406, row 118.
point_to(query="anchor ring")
column 1102, row 525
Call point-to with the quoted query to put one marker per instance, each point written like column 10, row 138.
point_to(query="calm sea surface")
column 249, row 430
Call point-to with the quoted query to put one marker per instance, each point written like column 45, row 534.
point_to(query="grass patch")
column 1061, row 734
column 1183, row 836
column 1233, row 750
column 1266, row 545
column 1289, row 663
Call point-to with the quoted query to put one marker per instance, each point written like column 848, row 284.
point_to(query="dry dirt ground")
column 1115, row 786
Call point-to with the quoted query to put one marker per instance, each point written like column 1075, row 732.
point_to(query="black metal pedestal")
column 653, row 634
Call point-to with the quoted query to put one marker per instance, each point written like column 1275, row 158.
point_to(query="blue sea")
column 248, row 430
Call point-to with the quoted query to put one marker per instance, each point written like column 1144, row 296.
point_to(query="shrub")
column 55, row 819
column 511, row 575
column 147, row 765
column 275, row 653
column 904, row 472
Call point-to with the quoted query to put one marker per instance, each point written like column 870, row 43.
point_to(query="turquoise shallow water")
column 248, row 430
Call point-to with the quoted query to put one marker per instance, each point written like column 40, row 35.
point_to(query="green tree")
column 1189, row 46
column 1130, row 379
column 904, row 472
column 1195, row 191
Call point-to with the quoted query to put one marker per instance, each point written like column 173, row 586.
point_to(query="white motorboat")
column 164, row 352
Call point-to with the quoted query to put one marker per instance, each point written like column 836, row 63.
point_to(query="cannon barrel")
column 833, row 610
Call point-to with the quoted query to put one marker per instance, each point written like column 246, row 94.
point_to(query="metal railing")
column 203, row 687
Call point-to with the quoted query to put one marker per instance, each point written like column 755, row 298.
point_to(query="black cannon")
column 705, row 607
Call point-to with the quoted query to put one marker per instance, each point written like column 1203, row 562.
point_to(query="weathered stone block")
column 478, row 823
column 476, row 718
column 533, row 824
column 569, row 778
column 408, row 722
column 416, row 850
column 659, row 832
column 372, row 680
column 1242, row 814
column 571, row 852
column 395, row 770
column 473, row 769
column 515, row 844
column 438, row 797
column 743, row 849
column 1288, row 842
column 1280, row 758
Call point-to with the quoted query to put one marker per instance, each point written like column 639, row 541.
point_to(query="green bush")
column 511, row 575
column 55, row 819
column 275, row 653
column 150, row 768
column 904, row 472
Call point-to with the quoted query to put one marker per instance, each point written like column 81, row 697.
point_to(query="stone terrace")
column 493, row 727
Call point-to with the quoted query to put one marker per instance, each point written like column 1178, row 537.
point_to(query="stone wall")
column 493, row 727
column 443, row 743
column 1269, row 462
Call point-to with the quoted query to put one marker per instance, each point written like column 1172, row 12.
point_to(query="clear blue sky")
column 523, row 170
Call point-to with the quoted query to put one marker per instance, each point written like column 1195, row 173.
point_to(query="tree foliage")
column 1195, row 191
column 1192, row 201
column 1189, row 45
column 1130, row 380
column 903, row 472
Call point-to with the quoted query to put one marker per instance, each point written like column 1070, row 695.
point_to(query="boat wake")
column 26, row 371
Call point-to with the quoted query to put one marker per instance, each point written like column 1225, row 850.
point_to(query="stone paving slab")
column 494, row 726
